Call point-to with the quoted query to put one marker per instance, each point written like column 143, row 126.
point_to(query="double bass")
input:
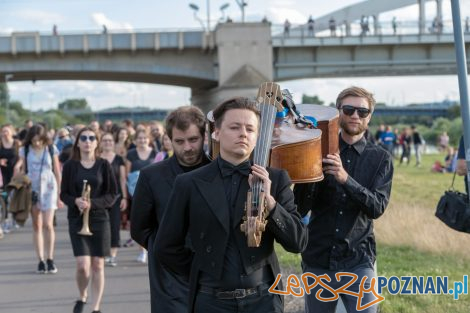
column 282, row 143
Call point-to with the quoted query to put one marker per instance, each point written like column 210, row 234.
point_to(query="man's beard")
column 185, row 157
column 345, row 127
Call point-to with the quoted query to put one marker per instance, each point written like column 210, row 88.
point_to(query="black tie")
column 242, row 168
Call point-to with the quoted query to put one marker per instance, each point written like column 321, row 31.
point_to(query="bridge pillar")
column 244, row 61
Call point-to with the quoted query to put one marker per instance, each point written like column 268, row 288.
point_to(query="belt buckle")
column 239, row 293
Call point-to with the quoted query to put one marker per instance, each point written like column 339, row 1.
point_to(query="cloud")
column 40, row 17
column 101, row 19
column 279, row 15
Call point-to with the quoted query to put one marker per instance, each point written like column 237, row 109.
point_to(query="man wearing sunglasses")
column 355, row 191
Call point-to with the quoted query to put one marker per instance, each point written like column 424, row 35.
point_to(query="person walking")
column 119, row 170
column 9, row 147
column 355, row 191
column 137, row 159
column 208, row 205
column 417, row 143
column 39, row 159
column 86, row 168
column 185, row 126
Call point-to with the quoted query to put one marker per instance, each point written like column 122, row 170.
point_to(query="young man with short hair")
column 208, row 204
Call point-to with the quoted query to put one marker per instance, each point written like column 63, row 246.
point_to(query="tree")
column 311, row 99
column 74, row 104
column 4, row 95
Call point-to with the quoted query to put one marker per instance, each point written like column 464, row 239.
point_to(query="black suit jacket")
column 169, row 293
column 198, row 205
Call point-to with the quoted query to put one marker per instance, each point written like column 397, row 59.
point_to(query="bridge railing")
column 36, row 42
column 406, row 27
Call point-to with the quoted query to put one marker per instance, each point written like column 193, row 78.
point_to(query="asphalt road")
column 22, row 290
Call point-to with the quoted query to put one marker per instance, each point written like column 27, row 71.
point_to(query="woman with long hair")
column 138, row 158
column 119, row 169
column 8, row 157
column 39, row 159
column 166, row 149
column 123, row 141
column 87, row 168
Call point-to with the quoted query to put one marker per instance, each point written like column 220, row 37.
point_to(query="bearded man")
column 355, row 191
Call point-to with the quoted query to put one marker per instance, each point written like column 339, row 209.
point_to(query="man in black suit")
column 208, row 204
column 186, row 127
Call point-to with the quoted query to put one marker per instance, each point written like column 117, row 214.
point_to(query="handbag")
column 453, row 209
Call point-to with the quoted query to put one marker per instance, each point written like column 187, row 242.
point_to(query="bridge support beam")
column 422, row 16
column 245, row 60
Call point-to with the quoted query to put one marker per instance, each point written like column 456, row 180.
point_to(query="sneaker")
column 78, row 307
column 41, row 267
column 129, row 243
column 51, row 268
column 142, row 258
column 110, row 261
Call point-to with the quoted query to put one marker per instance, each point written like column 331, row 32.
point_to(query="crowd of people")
column 400, row 144
column 187, row 211
column 45, row 170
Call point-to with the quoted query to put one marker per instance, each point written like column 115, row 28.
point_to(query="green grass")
column 406, row 261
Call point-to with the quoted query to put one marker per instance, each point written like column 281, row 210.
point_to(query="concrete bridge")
column 231, row 60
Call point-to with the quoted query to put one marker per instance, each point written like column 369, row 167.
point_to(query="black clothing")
column 341, row 225
column 103, row 195
column 11, row 155
column 118, row 161
column 233, row 276
column 115, row 212
column 417, row 140
column 137, row 163
column 198, row 207
column 169, row 292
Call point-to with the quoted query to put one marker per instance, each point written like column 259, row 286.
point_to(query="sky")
column 79, row 16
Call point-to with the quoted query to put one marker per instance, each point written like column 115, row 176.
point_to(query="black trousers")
column 262, row 302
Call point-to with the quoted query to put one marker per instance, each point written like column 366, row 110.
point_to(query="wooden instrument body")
column 297, row 149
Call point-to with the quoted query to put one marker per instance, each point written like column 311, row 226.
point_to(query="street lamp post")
column 222, row 9
column 7, row 101
column 242, row 4
column 195, row 8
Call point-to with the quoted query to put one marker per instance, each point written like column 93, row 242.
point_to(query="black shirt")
column 11, row 155
column 136, row 162
column 341, row 227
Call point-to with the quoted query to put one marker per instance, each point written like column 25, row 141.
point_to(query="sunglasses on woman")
column 84, row 138
column 349, row 111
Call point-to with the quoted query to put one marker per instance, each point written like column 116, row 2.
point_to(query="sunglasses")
column 84, row 138
column 349, row 111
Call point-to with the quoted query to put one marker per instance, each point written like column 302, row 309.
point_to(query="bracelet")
column 124, row 198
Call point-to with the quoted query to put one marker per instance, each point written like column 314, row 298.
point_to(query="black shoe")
column 96, row 312
column 78, row 307
column 51, row 268
column 41, row 267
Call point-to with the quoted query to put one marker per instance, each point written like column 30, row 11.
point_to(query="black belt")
column 233, row 294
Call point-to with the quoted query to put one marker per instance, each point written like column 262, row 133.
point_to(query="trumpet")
column 85, row 231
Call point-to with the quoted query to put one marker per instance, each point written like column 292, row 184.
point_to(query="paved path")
column 22, row 290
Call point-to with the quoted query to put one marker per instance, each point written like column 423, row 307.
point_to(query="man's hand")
column 334, row 166
column 263, row 175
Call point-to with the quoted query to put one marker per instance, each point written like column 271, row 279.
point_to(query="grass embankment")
column 413, row 242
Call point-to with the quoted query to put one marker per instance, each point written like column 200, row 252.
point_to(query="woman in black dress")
column 119, row 170
column 89, row 251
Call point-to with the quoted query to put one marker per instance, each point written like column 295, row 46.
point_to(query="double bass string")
column 261, row 153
